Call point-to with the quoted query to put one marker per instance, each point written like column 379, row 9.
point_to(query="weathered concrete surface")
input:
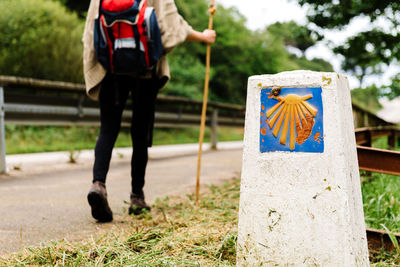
column 302, row 209
column 48, row 201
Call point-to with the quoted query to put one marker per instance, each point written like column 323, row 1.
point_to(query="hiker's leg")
column 110, row 118
column 143, row 101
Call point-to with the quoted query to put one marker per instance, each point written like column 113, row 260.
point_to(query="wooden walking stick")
column 212, row 10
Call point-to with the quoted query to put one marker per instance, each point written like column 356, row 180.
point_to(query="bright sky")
column 261, row 13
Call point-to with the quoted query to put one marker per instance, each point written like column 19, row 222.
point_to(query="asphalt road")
column 47, row 201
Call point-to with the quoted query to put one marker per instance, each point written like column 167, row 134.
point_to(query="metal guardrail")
column 365, row 135
column 59, row 103
column 378, row 160
column 379, row 239
column 26, row 101
column 382, row 161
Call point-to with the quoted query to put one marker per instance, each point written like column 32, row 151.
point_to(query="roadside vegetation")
column 32, row 139
column 179, row 233
column 382, row 211
column 42, row 39
column 381, row 196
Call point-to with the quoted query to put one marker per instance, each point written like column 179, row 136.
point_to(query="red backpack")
column 127, row 37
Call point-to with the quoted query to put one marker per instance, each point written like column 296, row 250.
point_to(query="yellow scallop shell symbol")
column 294, row 110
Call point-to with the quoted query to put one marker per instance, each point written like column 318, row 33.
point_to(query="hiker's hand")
column 209, row 36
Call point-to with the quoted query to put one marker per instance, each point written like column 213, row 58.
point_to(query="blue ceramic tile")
column 300, row 112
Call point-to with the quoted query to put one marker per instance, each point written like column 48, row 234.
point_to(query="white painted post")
column 301, row 208
column 2, row 134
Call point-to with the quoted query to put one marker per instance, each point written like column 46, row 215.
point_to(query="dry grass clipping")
column 175, row 233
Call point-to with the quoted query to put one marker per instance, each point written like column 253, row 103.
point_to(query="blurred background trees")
column 237, row 54
column 80, row 7
column 371, row 51
column 42, row 39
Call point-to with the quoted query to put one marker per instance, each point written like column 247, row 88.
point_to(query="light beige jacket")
column 174, row 30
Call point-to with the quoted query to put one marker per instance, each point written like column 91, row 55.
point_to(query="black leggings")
column 112, row 99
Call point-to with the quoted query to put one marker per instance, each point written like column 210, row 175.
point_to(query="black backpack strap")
column 137, row 41
column 101, row 2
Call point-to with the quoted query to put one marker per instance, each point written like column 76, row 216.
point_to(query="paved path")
column 44, row 198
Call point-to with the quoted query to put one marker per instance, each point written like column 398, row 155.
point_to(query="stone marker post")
column 300, row 202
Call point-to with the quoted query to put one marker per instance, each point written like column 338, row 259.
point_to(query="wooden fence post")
column 392, row 140
column 369, row 138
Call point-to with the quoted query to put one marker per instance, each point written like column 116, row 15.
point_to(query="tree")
column 237, row 54
column 393, row 90
column 370, row 51
column 80, row 7
column 368, row 97
column 295, row 35
column 40, row 39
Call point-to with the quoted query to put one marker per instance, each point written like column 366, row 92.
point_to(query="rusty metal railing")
column 374, row 159
column 381, row 161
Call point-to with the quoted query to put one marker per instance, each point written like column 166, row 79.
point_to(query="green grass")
column 179, row 233
column 382, row 143
column 381, row 197
column 31, row 139
column 381, row 200
column 384, row 259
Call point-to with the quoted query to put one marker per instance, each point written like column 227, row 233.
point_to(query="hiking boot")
column 138, row 205
column 97, row 198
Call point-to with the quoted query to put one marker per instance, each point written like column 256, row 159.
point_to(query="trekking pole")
column 211, row 10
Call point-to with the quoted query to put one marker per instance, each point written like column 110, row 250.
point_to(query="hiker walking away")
column 122, row 59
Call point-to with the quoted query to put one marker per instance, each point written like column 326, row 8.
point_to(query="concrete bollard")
column 300, row 202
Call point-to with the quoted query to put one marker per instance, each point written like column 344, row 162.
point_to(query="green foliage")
column 40, row 39
column 333, row 14
column 295, row 35
column 187, row 75
column 370, row 51
column 43, row 40
column 231, row 59
column 237, row 54
column 393, row 90
column 80, row 6
column 315, row 64
column 381, row 201
column 367, row 98
column 30, row 139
